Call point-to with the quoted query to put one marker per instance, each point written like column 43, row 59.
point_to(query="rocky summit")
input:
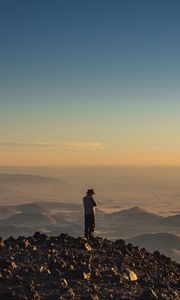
column 64, row 267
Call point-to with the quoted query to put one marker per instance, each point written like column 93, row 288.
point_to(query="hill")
column 30, row 208
column 64, row 267
column 136, row 214
column 27, row 219
column 6, row 178
column 10, row 230
column 172, row 221
column 23, row 188
column 168, row 244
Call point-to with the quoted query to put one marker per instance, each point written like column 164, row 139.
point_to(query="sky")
column 89, row 82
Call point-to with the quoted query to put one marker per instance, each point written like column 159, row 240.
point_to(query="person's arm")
column 93, row 202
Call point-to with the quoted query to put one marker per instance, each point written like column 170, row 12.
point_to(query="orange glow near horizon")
column 101, row 157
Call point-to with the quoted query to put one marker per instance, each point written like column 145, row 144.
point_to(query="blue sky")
column 104, row 72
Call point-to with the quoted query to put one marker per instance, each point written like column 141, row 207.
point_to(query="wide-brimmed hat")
column 91, row 191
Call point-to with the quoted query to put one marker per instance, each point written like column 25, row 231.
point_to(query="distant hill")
column 27, row 219
column 135, row 221
column 136, row 214
column 168, row 244
column 24, row 178
column 6, row 211
column 22, row 188
column 10, row 230
column 61, row 206
column 172, row 221
column 65, row 217
column 30, row 208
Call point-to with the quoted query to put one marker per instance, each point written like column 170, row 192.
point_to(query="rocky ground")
column 63, row 267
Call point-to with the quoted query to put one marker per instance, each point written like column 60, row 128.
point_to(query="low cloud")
column 29, row 145
column 66, row 145
column 83, row 146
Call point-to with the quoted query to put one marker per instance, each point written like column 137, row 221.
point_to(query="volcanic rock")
column 64, row 267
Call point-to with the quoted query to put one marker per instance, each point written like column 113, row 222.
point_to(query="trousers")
column 89, row 225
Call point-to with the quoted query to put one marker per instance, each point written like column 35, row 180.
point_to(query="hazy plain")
column 154, row 188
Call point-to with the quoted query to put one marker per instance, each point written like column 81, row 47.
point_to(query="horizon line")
column 121, row 165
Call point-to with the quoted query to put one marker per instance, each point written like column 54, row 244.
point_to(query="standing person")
column 89, row 214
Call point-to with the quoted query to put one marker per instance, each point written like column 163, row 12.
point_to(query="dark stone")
column 149, row 294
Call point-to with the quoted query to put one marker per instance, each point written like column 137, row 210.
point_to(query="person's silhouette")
column 89, row 214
